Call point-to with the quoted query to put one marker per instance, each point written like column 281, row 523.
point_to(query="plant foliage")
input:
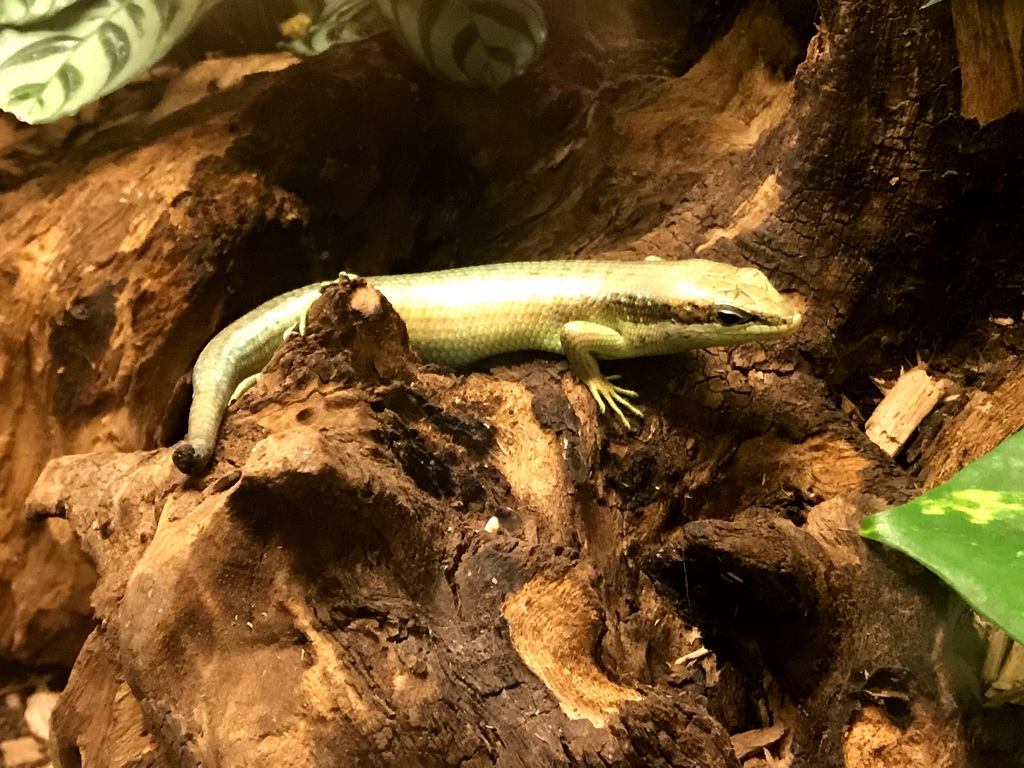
column 28, row 11
column 55, row 66
column 340, row 22
column 56, row 56
column 970, row 531
column 475, row 42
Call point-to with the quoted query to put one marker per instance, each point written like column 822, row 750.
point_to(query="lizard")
column 584, row 310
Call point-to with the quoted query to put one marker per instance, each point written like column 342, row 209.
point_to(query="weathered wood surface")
column 328, row 593
column 990, row 48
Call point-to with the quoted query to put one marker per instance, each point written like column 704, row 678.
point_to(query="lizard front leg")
column 581, row 340
column 299, row 327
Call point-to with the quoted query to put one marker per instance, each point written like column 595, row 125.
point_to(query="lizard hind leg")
column 244, row 385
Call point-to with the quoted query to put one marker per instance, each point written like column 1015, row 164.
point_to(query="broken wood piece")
column 903, row 408
column 988, row 46
column 986, row 420
column 1003, row 669
column 750, row 743
column 22, row 751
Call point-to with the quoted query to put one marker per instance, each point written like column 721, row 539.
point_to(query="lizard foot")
column 243, row 385
column 612, row 396
column 299, row 326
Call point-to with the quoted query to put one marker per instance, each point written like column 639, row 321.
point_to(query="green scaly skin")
column 585, row 310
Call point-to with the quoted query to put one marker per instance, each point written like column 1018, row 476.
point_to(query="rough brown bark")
column 328, row 594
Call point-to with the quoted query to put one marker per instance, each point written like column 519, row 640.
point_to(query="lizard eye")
column 729, row 316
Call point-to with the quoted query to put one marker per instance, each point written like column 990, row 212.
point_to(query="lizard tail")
column 191, row 458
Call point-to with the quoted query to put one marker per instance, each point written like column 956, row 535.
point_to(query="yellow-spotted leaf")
column 970, row 531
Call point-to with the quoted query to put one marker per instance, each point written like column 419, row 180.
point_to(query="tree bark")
column 332, row 591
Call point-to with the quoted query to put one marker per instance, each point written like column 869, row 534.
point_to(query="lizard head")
column 697, row 303
column 742, row 305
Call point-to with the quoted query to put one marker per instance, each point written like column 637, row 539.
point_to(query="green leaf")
column 476, row 42
column 930, row 3
column 138, row 17
column 116, row 45
column 70, row 79
column 970, row 531
column 168, row 11
column 27, row 93
column 21, row 12
column 57, row 45
column 55, row 67
column 340, row 22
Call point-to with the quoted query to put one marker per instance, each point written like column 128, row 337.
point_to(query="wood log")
column 331, row 592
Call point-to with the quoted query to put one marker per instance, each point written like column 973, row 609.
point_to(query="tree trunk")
column 396, row 564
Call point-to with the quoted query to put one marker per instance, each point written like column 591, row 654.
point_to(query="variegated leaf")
column 340, row 21
column 21, row 12
column 970, row 531
column 50, row 70
column 477, row 42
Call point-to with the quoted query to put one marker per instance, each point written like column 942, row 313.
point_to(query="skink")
column 585, row 310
